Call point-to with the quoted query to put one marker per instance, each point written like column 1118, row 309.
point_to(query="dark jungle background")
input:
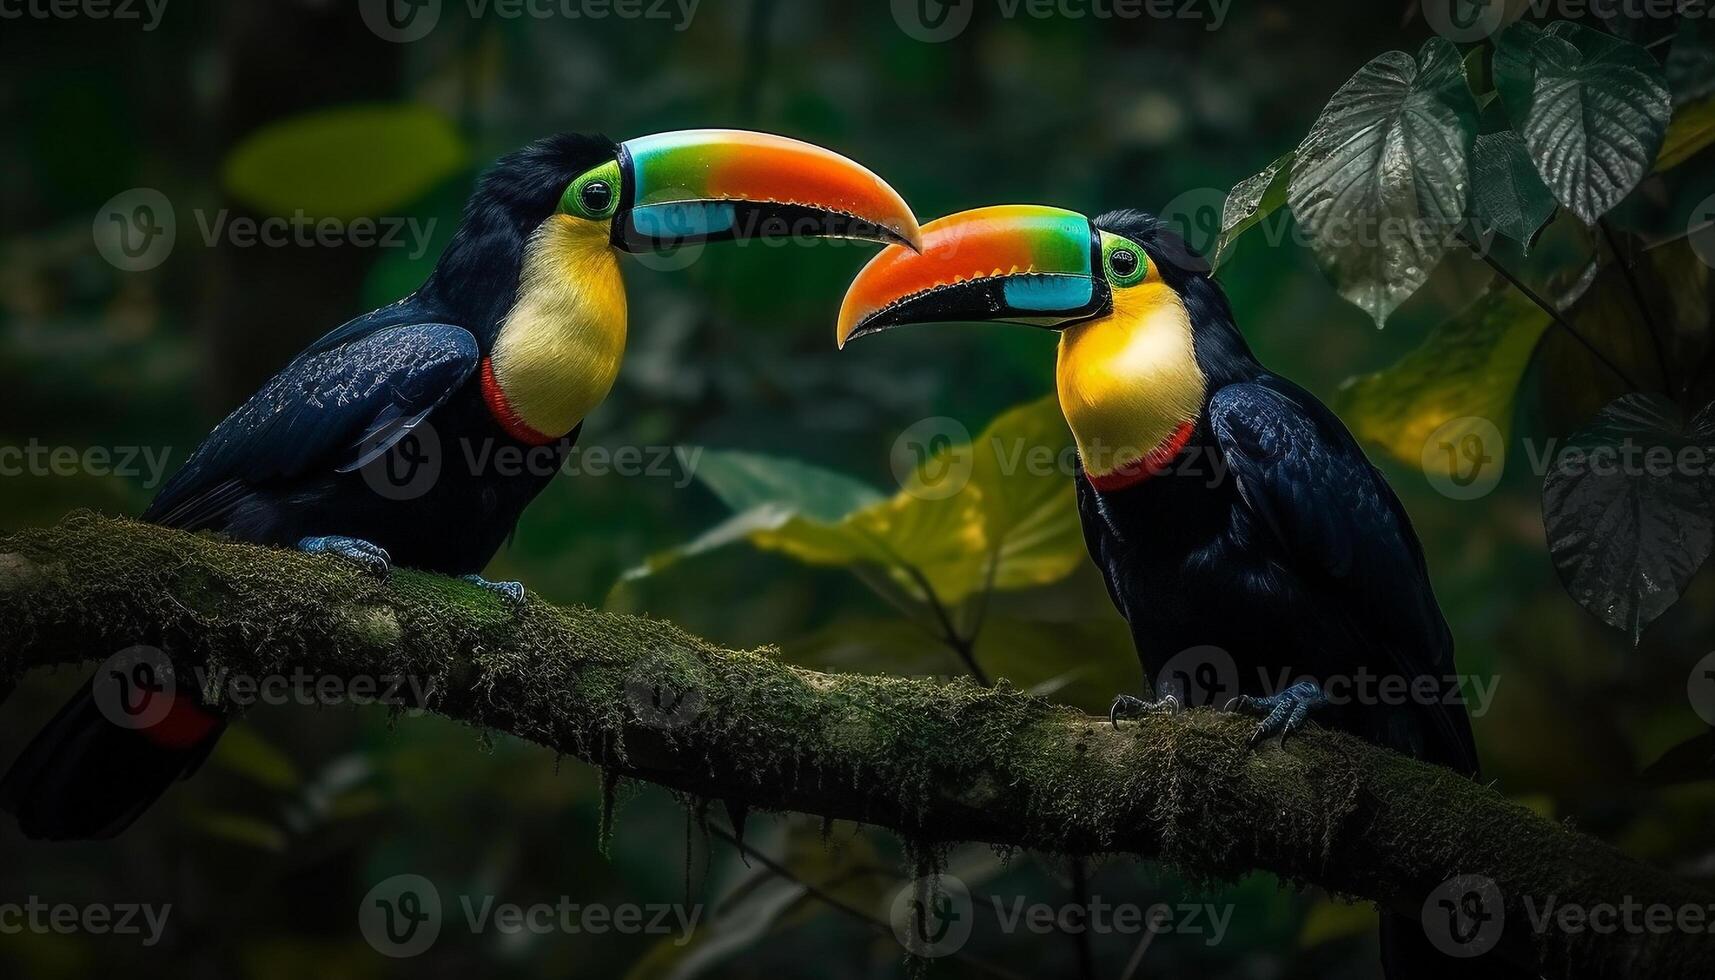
column 236, row 111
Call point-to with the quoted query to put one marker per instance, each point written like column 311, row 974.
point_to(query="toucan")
column 401, row 435
column 1226, row 507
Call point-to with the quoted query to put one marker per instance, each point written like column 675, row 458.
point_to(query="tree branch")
column 934, row 762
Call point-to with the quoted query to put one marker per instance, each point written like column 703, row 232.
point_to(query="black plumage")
column 398, row 387
column 1277, row 541
column 288, row 462
column 1272, row 537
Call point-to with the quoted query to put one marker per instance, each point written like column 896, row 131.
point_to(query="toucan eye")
column 596, row 196
column 1125, row 262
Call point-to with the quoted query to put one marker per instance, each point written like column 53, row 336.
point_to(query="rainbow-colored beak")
column 1017, row 263
column 725, row 185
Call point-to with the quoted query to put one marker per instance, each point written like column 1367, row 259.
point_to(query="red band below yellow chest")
column 1150, row 464
column 504, row 414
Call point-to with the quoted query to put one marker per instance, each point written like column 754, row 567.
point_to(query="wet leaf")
column 1508, row 196
column 1592, row 109
column 1629, row 507
column 350, row 162
column 1380, row 182
column 1251, row 202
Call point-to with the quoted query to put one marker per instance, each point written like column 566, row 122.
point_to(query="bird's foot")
column 512, row 592
column 372, row 558
column 1126, row 706
column 1283, row 713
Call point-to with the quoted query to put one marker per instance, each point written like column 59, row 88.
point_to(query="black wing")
column 1305, row 479
column 335, row 407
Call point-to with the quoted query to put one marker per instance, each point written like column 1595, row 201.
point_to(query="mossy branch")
column 935, row 762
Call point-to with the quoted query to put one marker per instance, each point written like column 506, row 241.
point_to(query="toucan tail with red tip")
column 87, row 776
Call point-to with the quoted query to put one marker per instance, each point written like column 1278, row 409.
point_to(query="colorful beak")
column 725, row 185
column 1015, row 263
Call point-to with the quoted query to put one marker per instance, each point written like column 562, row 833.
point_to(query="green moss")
column 934, row 762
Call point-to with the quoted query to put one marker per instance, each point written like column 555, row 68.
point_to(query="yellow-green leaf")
column 243, row 750
column 1329, row 921
column 999, row 509
column 1467, row 368
column 1692, row 129
column 350, row 162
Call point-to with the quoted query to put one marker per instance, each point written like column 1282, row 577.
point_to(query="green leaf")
column 240, row 829
column 1251, row 202
column 1468, row 367
column 1331, row 921
column 1692, row 129
column 1009, row 515
column 746, row 480
column 243, row 750
column 1629, row 519
column 1592, row 109
column 1508, row 196
column 1379, row 185
column 351, row 162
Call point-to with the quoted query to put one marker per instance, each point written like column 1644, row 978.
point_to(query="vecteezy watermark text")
column 404, row 21
column 36, row 459
column 934, row 21
column 33, row 915
column 137, row 229
column 147, row 12
column 403, row 916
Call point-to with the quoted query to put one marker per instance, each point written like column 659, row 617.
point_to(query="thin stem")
column 1638, row 298
column 878, row 582
column 980, row 615
column 839, row 904
column 960, row 644
column 1554, row 314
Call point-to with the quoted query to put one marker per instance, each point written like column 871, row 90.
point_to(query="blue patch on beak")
column 1049, row 293
column 691, row 220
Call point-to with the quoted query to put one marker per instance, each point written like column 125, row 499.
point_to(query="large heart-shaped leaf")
column 1251, row 202
column 1629, row 506
column 1379, row 185
column 1008, row 517
column 1592, row 109
column 1467, row 368
column 351, row 162
column 1508, row 196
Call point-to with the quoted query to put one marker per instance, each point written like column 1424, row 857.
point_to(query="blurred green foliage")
column 255, row 110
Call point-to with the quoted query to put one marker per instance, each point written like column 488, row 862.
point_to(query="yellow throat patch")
column 1130, row 380
column 559, row 349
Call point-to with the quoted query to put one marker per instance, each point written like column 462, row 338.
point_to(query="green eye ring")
column 1124, row 261
column 595, row 195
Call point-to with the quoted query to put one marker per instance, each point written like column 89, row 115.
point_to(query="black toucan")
column 400, row 436
column 1225, row 505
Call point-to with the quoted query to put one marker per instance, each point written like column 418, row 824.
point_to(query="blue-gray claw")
column 371, row 557
column 1126, row 706
column 512, row 592
column 1284, row 713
